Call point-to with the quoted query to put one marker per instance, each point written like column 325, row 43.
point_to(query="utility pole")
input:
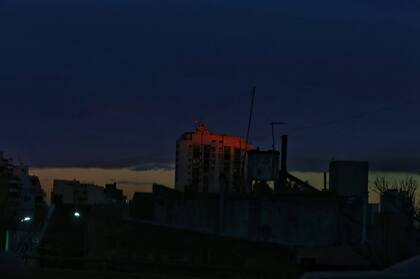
column 272, row 132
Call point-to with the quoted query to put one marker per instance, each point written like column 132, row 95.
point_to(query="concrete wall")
column 236, row 218
column 200, row 215
column 301, row 221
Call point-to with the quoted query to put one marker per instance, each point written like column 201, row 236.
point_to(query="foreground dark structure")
column 103, row 239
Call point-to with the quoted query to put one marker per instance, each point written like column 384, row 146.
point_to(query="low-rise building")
column 22, row 203
column 113, row 195
column 395, row 202
column 77, row 193
column 21, row 194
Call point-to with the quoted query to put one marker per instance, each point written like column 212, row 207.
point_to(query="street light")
column 26, row 220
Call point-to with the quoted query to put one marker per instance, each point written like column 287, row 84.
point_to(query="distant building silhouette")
column 202, row 157
column 263, row 167
column 75, row 192
column 22, row 204
column 113, row 195
column 20, row 193
column 394, row 201
column 349, row 181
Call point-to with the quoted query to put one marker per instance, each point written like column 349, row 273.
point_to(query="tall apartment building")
column 202, row 157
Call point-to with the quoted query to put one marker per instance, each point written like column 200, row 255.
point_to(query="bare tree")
column 407, row 186
column 381, row 184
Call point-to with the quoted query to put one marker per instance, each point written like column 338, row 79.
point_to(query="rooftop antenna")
column 251, row 113
column 272, row 132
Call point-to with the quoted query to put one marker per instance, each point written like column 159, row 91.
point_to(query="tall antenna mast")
column 251, row 113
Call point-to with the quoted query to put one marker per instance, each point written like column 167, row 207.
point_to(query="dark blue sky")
column 86, row 81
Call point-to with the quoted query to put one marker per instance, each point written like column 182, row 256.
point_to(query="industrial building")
column 202, row 157
column 334, row 227
column 291, row 219
column 323, row 226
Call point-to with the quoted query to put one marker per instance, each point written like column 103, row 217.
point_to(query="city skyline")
column 132, row 181
column 209, row 139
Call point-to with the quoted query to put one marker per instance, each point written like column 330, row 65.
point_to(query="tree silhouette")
column 381, row 184
column 408, row 186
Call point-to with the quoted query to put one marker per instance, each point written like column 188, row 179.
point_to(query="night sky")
column 92, row 83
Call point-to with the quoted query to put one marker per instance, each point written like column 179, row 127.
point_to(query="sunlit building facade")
column 203, row 157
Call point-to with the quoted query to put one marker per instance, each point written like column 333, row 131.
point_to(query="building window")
column 196, row 151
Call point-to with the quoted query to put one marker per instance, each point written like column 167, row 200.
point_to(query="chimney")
column 284, row 153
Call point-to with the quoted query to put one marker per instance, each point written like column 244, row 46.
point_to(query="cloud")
column 127, row 163
column 411, row 165
column 397, row 164
column 154, row 166
column 133, row 183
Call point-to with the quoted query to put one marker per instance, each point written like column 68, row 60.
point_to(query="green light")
column 77, row 214
column 7, row 244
